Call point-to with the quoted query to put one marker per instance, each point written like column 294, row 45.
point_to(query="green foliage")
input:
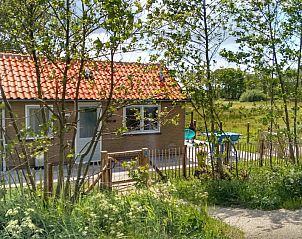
column 188, row 34
column 192, row 191
column 269, row 40
column 224, row 193
column 140, row 174
column 262, row 188
column 231, row 82
column 153, row 213
column 292, row 183
column 257, row 80
column 252, row 96
column 67, row 33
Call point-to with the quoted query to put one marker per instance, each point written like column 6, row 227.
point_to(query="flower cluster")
column 20, row 224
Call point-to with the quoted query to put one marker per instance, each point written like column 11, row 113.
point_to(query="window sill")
column 141, row 133
column 38, row 138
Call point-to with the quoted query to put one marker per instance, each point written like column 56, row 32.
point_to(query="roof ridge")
column 14, row 55
column 19, row 55
column 139, row 63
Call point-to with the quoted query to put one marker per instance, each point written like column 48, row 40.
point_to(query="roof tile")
column 131, row 80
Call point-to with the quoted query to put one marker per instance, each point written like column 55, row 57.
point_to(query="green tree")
column 257, row 80
column 63, row 32
column 188, row 35
column 231, row 82
column 263, row 44
column 293, row 27
column 22, row 23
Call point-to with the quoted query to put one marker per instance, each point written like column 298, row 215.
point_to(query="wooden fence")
column 188, row 161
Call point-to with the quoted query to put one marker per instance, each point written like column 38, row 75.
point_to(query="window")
column 88, row 121
column 34, row 120
column 142, row 118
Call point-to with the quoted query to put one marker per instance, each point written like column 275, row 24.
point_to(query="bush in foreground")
column 153, row 213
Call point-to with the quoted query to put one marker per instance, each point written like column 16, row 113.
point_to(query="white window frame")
column 27, row 107
column 141, row 130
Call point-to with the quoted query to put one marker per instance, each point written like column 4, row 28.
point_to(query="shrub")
column 293, row 182
column 257, row 187
column 265, row 188
column 225, row 192
column 153, row 213
column 252, row 96
column 262, row 189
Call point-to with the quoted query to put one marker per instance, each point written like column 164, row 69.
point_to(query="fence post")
column 50, row 179
column 184, row 163
column 143, row 161
column 144, row 157
column 248, row 133
column 227, row 146
column 261, row 152
column 106, row 178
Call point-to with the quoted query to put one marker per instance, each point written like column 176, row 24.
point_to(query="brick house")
column 143, row 89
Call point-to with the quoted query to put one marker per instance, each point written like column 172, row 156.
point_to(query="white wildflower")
column 28, row 211
column 120, row 223
column 93, row 215
column 14, row 229
column 119, row 235
column 27, row 223
column 12, row 212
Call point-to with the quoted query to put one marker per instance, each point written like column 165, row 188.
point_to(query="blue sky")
column 145, row 55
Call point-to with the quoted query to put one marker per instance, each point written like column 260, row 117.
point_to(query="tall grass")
column 154, row 213
column 259, row 187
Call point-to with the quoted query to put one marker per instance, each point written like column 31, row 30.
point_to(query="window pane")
column 133, row 116
column 151, row 118
column 88, row 118
column 35, row 119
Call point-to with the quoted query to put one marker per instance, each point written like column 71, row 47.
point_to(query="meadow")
column 235, row 116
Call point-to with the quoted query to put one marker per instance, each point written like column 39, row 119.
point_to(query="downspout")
column 2, row 138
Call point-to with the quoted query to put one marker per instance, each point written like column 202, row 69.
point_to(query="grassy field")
column 236, row 115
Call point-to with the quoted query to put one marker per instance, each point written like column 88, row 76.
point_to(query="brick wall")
column 170, row 135
column 18, row 109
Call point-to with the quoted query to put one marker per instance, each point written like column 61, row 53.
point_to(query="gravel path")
column 277, row 224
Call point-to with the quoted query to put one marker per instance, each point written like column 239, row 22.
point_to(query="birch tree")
column 63, row 32
column 188, row 35
column 264, row 31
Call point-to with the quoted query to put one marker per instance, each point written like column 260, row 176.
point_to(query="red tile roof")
column 133, row 81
